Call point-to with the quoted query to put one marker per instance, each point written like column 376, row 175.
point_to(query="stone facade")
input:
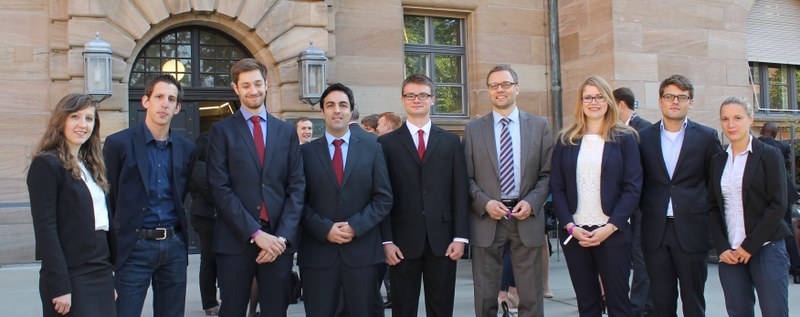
column 630, row 43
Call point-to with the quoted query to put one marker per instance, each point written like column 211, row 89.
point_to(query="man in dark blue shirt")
column 148, row 168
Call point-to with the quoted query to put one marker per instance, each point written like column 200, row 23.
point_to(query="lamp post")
column 311, row 63
column 97, row 68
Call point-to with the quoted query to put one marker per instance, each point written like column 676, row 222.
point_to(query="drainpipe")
column 555, row 66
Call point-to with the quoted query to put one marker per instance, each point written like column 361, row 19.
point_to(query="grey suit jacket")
column 484, row 179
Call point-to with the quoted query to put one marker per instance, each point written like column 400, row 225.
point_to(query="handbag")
column 550, row 220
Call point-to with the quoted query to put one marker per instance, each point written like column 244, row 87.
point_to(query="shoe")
column 213, row 311
column 548, row 294
column 387, row 304
column 797, row 278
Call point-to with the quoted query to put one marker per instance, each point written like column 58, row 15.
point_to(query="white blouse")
column 98, row 199
column 588, row 175
column 731, row 185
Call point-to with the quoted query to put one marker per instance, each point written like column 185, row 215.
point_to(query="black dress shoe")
column 797, row 279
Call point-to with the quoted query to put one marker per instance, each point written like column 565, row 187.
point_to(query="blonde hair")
column 53, row 141
column 612, row 126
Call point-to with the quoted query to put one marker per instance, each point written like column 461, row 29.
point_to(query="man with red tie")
column 348, row 195
column 425, row 233
column 256, row 182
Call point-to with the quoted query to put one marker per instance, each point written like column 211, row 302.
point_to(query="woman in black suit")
column 748, row 200
column 67, row 185
column 596, row 180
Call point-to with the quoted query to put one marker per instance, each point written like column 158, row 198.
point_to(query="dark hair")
column 680, row 81
column 500, row 68
column 371, row 121
column 354, row 114
column 299, row 120
column 626, row 95
column 419, row 79
column 246, row 65
column 53, row 141
column 163, row 78
column 769, row 129
column 337, row 87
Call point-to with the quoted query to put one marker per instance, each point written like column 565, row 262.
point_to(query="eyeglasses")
column 598, row 99
column 422, row 97
column 506, row 85
column 671, row 97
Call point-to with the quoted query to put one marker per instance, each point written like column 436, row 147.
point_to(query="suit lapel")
column 655, row 141
column 753, row 161
column 321, row 147
column 433, row 140
column 688, row 142
column 272, row 141
column 354, row 150
column 406, row 140
column 525, row 135
column 177, row 157
column 487, row 132
column 140, row 149
column 247, row 136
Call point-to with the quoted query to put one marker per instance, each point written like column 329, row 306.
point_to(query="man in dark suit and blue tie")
column 148, row 168
column 256, row 181
column 676, row 154
column 348, row 195
column 425, row 233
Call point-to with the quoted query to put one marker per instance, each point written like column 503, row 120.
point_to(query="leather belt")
column 157, row 234
column 510, row 203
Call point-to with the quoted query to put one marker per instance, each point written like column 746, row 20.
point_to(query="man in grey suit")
column 508, row 164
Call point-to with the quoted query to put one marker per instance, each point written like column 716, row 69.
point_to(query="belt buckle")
column 163, row 235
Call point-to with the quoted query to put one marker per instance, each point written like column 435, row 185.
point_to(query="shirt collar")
column 330, row 138
column 148, row 137
column 748, row 150
column 683, row 126
column 413, row 129
column 247, row 114
column 514, row 116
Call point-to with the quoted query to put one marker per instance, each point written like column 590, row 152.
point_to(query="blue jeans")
column 767, row 272
column 162, row 262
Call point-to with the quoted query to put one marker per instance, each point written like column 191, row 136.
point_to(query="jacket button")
column 258, row 207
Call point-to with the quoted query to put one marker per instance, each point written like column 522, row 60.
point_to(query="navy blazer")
column 688, row 187
column 431, row 196
column 763, row 195
column 63, row 222
column 363, row 200
column 620, row 186
column 239, row 184
column 125, row 154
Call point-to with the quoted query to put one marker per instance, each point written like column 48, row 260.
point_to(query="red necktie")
column 421, row 144
column 258, row 138
column 338, row 166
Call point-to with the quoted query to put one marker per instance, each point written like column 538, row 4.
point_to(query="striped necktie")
column 506, row 159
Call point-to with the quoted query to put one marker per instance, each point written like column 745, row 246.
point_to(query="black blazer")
column 620, row 186
column 688, row 187
column 764, row 199
column 198, row 183
column 638, row 123
column 63, row 222
column 239, row 184
column 363, row 200
column 431, row 196
column 126, row 160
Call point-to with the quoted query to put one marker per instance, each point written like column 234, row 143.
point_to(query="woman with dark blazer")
column 748, row 201
column 67, row 186
column 596, row 180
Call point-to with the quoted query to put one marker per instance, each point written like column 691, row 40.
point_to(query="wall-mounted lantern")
column 312, row 63
column 97, row 68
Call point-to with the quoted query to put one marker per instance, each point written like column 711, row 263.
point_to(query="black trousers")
column 204, row 227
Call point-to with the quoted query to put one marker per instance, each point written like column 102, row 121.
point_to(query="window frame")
column 431, row 51
column 760, row 81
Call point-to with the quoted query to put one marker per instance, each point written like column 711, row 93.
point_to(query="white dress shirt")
column 345, row 146
column 731, row 185
column 671, row 144
column 98, row 199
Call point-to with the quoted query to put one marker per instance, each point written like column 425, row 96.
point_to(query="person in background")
column 370, row 123
column 148, row 169
column 305, row 129
column 768, row 133
column 74, row 239
column 747, row 204
column 388, row 122
column 640, row 284
column 596, row 164
column 203, row 219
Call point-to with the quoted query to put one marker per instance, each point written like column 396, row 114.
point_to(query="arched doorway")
column 200, row 58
